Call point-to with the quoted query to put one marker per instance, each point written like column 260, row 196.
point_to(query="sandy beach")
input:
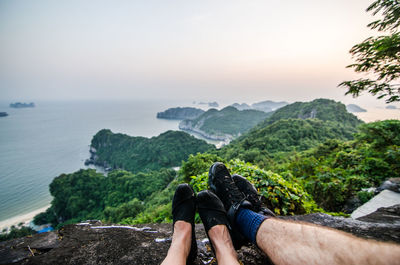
column 23, row 218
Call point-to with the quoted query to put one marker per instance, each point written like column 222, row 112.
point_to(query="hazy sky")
column 244, row 51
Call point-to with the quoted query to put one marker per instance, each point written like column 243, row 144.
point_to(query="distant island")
column 180, row 113
column 210, row 104
column 353, row 108
column 223, row 125
column 3, row 114
column 269, row 105
column 19, row 105
column 242, row 106
column 391, row 107
column 266, row 106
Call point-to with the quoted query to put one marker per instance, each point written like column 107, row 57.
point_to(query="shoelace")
column 232, row 192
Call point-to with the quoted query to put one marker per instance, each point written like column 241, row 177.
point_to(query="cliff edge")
column 94, row 243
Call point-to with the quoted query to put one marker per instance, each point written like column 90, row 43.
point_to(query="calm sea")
column 38, row 144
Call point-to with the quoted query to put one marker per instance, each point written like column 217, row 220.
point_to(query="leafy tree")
column 197, row 164
column 137, row 154
column 279, row 195
column 17, row 232
column 379, row 56
column 87, row 194
column 125, row 210
column 336, row 171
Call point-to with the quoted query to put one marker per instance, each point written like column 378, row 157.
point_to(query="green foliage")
column 280, row 195
column 197, row 164
column 226, row 121
column 87, row 194
column 380, row 135
column 293, row 128
column 78, row 195
column 137, row 154
column 124, row 210
column 322, row 109
column 336, row 171
column 379, row 56
column 158, row 207
column 180, row 113
column 16, row 233
column 46, row 217
column 284, row 136
column 365, row 196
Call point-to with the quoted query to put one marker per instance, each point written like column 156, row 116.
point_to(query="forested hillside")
column 87, row 194
column 180, row 113
column 295, row 127
column 135, row 154
column 322, row 109
column 226, row 123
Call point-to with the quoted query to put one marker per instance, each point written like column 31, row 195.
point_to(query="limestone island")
column 180, row 113
column 19, row 105
column 353, row 108
column 224, row 125
column 3, row 114
column 210, row 104
column 391, row 107
column 242, row 106
column 266, row 106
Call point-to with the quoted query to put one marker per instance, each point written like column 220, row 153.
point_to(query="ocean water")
column 38, row 144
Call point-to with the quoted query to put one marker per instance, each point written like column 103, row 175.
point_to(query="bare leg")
column 180, row 246
column 222, row 243
column 287, row 242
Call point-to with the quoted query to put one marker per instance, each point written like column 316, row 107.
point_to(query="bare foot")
column 181, row 242
column 222, row 243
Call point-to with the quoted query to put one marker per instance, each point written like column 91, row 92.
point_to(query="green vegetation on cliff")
column 137, row 154
column 322, row 109
column 337, row 171
column 293, row 128
column 87, row 194
column 16, row 232
column 180, row 113
column 228, row 121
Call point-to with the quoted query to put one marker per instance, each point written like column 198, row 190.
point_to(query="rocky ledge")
column 94, row 243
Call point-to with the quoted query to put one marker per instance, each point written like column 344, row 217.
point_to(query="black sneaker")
column 184, row 209
column 212, row 212
column 251, row 195
column 222, row 184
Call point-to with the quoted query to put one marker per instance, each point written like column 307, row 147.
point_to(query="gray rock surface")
column 385, row 198
column 392, row 184
column 94, row 243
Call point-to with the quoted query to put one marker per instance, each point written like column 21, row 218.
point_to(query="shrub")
column 280, row 195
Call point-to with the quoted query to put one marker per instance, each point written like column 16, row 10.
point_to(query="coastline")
column 24, row 218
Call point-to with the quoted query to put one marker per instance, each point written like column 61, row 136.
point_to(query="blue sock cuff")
column 248, row 223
